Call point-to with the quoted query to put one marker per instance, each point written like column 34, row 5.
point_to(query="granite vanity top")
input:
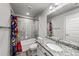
column 67, row 51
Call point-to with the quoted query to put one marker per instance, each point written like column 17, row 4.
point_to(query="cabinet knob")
column 45, row 54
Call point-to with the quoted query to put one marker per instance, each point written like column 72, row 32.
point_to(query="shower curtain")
column 14, row 35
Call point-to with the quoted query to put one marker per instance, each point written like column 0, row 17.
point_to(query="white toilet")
column 33, row 49
column 33, row 46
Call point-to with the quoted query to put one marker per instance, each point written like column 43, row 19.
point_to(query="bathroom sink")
column 54, row 47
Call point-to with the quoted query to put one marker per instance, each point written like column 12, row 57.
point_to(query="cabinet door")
column 46, row 53
column 42, row 52
column 39, row 51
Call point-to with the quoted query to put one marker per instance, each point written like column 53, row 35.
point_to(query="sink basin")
column 54, row 47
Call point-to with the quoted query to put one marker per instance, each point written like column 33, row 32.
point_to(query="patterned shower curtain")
column 14, row 35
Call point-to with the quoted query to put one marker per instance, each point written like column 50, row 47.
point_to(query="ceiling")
column 33, row 8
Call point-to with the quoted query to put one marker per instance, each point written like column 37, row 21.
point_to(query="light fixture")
column 29, row 7
column 51, row 7
column 57, row 3
column 27, row 13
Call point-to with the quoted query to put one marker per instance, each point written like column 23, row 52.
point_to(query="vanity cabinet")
column 41, row 51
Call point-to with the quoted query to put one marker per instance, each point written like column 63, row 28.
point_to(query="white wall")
column 4, row 14
column 4, row 33
column 36, row 27
column 42, row 24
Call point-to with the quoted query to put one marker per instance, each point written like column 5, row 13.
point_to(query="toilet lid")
column 33, row 46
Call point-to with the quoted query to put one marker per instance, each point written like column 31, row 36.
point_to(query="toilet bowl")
column 33, row 46
column 27, row 43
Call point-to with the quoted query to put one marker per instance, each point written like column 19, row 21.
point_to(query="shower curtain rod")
column 21, row 16
column 25, row 17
